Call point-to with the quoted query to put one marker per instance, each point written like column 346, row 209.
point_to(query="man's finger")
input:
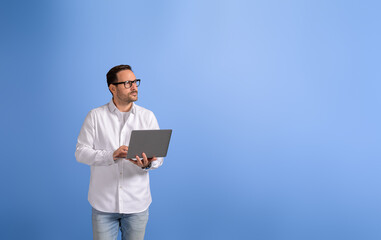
column 140, row 164
column 152, row 159
column 145, row 160
column 122, row 152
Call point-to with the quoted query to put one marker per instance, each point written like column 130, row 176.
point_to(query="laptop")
column 154, row 143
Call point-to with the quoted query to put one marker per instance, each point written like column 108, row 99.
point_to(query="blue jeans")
column 106, row 225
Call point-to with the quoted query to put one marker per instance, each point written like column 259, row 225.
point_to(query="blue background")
column 274, row 106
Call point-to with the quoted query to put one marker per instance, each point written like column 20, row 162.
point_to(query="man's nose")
column 134, row 87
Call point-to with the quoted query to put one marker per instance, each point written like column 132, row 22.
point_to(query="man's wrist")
column 148, row 166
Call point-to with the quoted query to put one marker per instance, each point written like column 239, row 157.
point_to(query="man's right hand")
column 121, row 152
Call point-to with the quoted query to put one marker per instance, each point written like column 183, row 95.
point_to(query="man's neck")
column 122, row 107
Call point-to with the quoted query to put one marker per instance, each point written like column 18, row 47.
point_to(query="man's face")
column 123, row 94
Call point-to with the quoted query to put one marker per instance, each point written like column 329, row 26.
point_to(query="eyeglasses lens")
column 128, row 84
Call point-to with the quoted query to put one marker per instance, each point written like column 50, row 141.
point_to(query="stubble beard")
column 129, row 98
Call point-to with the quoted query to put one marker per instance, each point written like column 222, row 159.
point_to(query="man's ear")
column 112, row 88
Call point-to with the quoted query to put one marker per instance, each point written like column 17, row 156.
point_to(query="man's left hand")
column 143, row 163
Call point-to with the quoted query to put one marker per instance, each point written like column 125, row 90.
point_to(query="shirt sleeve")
column 85, row 152
column 155, row 125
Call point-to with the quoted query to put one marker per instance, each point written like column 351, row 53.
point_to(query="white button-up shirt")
column 115, row 186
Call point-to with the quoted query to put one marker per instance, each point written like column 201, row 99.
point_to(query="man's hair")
column 111, row 75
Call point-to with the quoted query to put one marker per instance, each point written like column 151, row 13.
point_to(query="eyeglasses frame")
column 136, row 81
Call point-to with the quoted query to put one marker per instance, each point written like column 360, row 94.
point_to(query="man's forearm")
column 92, row 157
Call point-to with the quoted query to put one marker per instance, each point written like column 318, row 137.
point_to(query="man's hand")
column 121, row 152
column 143, row 163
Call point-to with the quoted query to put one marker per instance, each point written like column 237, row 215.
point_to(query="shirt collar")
column 112, row 107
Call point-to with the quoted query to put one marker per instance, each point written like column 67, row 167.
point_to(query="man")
column 119, row 190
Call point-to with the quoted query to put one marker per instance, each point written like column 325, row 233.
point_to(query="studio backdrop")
column 274, row 106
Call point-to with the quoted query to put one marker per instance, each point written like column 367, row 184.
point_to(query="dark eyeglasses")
column 128, row 84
